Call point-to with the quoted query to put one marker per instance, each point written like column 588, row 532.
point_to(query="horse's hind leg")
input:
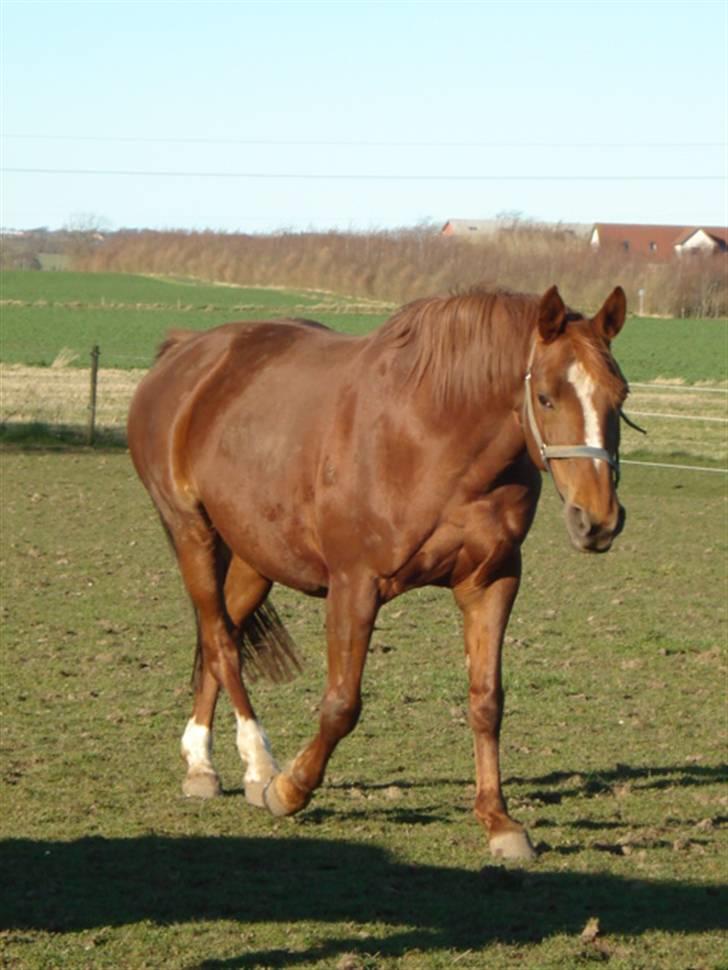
column 200, row 559
column 351, row 608
column 202, row 780
column 245, row 591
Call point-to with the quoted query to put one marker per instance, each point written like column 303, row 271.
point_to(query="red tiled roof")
column 719, row 233
column 655, row 242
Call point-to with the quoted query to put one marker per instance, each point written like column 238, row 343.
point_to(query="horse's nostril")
column 591, row 536
column 579, row 521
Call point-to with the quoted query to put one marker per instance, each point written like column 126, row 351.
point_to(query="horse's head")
column 573, row 395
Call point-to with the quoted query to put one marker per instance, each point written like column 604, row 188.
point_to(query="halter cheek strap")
column 548, row 452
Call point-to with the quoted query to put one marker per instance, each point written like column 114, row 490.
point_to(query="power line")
column 355, row 143
column 362, row 176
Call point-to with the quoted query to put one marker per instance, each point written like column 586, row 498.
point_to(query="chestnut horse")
column 357, row 468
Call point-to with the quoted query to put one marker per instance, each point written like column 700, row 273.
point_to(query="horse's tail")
column 173, row 339
column 266, row 648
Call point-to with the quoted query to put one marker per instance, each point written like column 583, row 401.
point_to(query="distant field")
column 50, row 321
column 127, row 316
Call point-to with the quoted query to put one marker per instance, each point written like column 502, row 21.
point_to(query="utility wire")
column 361, row 176
column 364, row 143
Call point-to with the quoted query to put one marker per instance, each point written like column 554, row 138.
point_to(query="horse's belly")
column 275, row 541
column 291, row 564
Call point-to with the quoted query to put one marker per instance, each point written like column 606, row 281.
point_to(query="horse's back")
column 218, row 365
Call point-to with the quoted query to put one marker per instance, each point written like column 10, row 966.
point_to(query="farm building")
column 483, row 228
column 656, row 243
column 471, row 227
column 659, row 243
column 713, row 239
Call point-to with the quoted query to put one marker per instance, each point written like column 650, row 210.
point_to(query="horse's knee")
column 340, row 712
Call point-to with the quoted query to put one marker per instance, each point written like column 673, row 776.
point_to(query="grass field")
column 613, row 755
column 614, row 735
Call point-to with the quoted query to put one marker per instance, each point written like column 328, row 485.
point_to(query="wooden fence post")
column 95, row 352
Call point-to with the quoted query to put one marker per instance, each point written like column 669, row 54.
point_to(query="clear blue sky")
column 314, row 95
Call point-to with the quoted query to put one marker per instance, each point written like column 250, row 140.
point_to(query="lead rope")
column 630, row 422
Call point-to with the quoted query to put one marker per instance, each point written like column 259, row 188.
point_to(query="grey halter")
column 548, row 452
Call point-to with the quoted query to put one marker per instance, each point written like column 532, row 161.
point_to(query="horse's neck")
column 486, row 427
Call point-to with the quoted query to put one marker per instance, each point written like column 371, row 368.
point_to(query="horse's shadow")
column 553, row 788
column 95, row 882
column 579, row 783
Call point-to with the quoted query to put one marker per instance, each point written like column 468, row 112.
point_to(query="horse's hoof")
column 282, row 797
column 202, row 784
column 513, row 844
column 255, row 792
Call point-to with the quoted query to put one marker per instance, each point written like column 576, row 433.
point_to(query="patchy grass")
column 614, row 744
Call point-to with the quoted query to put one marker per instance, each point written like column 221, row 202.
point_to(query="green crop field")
column 613, row 741
column 127, row 316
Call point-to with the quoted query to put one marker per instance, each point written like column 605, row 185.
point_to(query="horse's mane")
column 463, row 342
column 481, row 339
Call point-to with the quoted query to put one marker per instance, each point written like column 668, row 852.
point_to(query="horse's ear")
column 551, row 315
column 608, row 322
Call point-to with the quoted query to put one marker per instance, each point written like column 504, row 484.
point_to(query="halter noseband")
column 548, row 452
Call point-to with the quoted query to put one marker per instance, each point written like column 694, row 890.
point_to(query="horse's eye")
column 545, row 401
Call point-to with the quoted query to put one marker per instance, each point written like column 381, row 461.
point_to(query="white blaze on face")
column 255, row 750
column 197, row 746
column 584, row 387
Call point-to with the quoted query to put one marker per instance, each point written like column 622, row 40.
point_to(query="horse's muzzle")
column 589, row 536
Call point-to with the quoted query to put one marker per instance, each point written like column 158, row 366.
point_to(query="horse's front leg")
column 486, row 609
column 351, row 607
